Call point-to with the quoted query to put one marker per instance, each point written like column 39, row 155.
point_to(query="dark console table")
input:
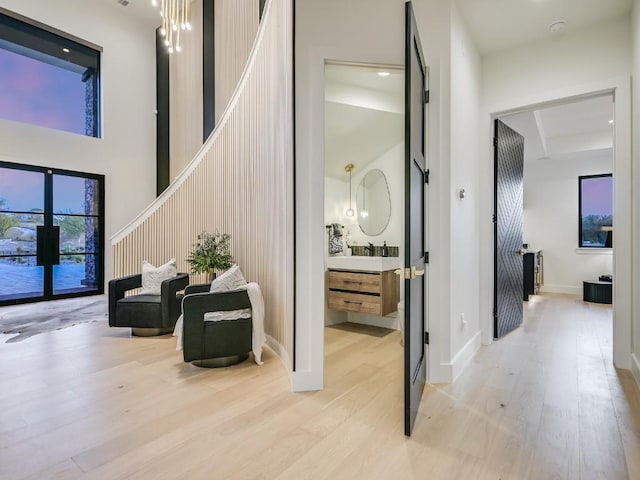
column 531, row 273
column 597, row 291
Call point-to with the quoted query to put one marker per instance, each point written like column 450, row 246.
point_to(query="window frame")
column 580, row 179
column 19, row 34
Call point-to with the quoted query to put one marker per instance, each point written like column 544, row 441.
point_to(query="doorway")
column 51, row 233
column 364, row 222
column 565, row 215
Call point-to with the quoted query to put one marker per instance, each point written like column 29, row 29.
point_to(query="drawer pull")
column 355, row 303
column 352, row 281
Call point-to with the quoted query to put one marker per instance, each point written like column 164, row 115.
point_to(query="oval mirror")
column 373, row 203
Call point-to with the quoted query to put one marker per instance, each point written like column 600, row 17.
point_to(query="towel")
column 335, row 238
column 258, row 337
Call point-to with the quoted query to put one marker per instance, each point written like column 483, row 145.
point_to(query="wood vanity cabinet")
column 375, row 293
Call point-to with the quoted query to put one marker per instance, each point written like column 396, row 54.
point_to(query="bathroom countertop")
column 376, row 264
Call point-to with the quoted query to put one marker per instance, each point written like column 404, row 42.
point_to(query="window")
column 48, row 78
column 596, row 210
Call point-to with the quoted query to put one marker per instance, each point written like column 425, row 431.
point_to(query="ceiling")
column 566, row 131
column 141, row 10
column 501, row 24
column 363, row 115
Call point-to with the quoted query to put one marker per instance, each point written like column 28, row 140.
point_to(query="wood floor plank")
column 93, row 403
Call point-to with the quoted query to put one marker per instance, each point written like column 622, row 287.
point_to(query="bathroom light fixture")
column 383, row 74
column 347, row 168
column 175, row 18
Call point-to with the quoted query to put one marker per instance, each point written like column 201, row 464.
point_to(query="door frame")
column 620, row 88
column 99, row 290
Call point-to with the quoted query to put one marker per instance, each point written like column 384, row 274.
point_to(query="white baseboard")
column 375, row 321
column 561, row 289
column 306, row 381
column 635, row 368
column 448, row 372
column 280, row 351
column 465, row 355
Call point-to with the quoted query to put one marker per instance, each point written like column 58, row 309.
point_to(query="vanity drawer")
column 354, row 302
column 354, row 281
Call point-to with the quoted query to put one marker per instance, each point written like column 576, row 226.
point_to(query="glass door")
column 76, row 208
column 21, row 217
column 51, row 240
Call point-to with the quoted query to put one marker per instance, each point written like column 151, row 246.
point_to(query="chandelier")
column 175, row 18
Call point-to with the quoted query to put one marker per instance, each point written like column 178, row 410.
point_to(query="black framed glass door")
column 51, row 233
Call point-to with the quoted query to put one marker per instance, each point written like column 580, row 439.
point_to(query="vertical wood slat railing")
column 240, row 182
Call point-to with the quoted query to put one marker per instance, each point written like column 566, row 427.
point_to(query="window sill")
column 594, row 251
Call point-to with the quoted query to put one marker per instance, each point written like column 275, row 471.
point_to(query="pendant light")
column 348, row 168
column 175, row 18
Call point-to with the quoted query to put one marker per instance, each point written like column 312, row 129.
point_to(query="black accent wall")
column 162, row 115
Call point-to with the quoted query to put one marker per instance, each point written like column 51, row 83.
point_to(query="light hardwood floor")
column 90, row 402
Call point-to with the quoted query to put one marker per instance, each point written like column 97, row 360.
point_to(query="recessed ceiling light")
column 610, row 121
column 65, row 50
column 383, row 74
column 558, row 26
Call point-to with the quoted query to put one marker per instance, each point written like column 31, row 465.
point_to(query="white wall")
column 465, row 173
column 635, row 361
column 596, row 59
column 126, row 152
column 550, row 221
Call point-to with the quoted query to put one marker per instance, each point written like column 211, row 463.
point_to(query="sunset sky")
column 41, row 94
column 24, row 191
column 597, row 196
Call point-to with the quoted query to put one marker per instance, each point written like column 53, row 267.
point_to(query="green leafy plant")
column 211, row 253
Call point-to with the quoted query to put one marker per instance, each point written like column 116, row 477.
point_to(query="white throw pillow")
column 152, row 277
column 232, row 279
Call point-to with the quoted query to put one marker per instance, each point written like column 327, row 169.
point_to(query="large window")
column 596, row 210
column 48, row 78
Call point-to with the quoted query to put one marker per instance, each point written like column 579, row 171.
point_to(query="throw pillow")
column 232, row 279
column 152, row 277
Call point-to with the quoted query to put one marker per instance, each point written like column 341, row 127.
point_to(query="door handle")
column 403, row 272
column 416, row 273
column 41, row 243
column 55, row 245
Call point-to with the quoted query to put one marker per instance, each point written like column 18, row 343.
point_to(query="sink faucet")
column 370, row 249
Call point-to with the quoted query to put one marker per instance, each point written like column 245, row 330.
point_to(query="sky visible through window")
column 23, row 191
column 597, row 196
column 41, row 94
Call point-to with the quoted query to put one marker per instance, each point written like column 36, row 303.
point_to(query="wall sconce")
column 348, row 168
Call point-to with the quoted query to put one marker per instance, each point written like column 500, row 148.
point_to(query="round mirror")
column 373, row 203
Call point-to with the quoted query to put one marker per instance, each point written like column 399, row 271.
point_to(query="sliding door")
column 51, row 233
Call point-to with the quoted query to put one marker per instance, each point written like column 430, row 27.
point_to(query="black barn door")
column 414, row 237
column 508, row 167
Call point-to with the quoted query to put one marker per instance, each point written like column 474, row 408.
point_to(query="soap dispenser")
column 385, row 249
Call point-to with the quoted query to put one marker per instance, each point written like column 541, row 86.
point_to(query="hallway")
column 89, row 402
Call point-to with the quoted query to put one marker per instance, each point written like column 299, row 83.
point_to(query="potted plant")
column 211, row 253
